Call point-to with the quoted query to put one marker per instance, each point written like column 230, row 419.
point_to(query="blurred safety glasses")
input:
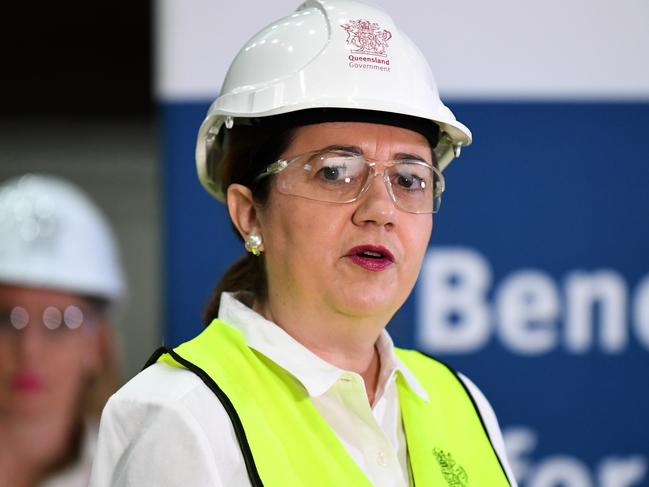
column 52, row 318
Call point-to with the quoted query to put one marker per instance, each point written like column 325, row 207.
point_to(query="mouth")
column 27, row 382
column 371, row 257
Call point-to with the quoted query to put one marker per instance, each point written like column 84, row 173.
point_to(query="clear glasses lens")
column 412, row 184
column 52, row 318
column 332, row 177
column 340, row 177
column 18, row 317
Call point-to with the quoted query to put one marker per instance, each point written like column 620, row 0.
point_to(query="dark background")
column 76, row 102
column 74, row 59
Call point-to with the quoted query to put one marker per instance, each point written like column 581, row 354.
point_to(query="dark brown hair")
column 251, row 149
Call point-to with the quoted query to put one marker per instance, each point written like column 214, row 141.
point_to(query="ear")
column 243, row 211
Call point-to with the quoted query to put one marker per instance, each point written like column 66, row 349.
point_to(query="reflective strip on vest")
column 286, row 442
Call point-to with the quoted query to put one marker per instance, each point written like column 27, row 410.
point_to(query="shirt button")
column 380, row 459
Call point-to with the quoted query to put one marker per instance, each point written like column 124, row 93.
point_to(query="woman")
column 60, row 279
column 327, row 144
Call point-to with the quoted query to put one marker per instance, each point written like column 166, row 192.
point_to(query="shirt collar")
column 391, row 364
column 315, row 374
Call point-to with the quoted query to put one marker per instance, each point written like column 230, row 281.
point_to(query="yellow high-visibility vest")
column 286, row 442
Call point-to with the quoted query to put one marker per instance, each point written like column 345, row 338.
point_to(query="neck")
column 347, row 342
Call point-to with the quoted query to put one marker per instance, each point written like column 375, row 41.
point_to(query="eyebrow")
column 354, row 149
column 406, row 156
column 346, row 148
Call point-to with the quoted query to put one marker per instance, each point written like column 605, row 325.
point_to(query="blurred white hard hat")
column 53, row 236
column 328, row 54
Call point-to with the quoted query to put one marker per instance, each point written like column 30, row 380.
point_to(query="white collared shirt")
column 166, row 428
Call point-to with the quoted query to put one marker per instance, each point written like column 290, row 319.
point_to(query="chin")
column 367, row 301
column 28, row 407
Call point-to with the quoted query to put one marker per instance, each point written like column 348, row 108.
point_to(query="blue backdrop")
column 536, row 284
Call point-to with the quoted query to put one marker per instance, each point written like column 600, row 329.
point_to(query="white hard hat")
column 328, row 54
column 53, row 236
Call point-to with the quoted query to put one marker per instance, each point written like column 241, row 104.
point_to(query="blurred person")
column 327, row 144
column 60, row 285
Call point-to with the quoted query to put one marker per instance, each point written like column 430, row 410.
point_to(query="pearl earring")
column 253, row 241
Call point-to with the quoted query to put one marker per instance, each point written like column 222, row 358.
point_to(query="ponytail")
column 247, row 274
column 250, row 149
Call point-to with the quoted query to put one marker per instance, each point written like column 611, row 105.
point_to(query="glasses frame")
column 438, row 187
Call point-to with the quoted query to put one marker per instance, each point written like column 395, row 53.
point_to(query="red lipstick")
column 371, row 257
column 27, row 382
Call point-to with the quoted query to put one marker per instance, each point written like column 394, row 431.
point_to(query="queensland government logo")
column 453, row 472
column 370, row 43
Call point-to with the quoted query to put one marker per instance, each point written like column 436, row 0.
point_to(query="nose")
column 29, row 343
column 376, row 205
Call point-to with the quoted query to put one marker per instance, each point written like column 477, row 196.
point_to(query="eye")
column 410, row 181
column 15, row 318
column 337, row 168
column 332, row 173
column 412, row 177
